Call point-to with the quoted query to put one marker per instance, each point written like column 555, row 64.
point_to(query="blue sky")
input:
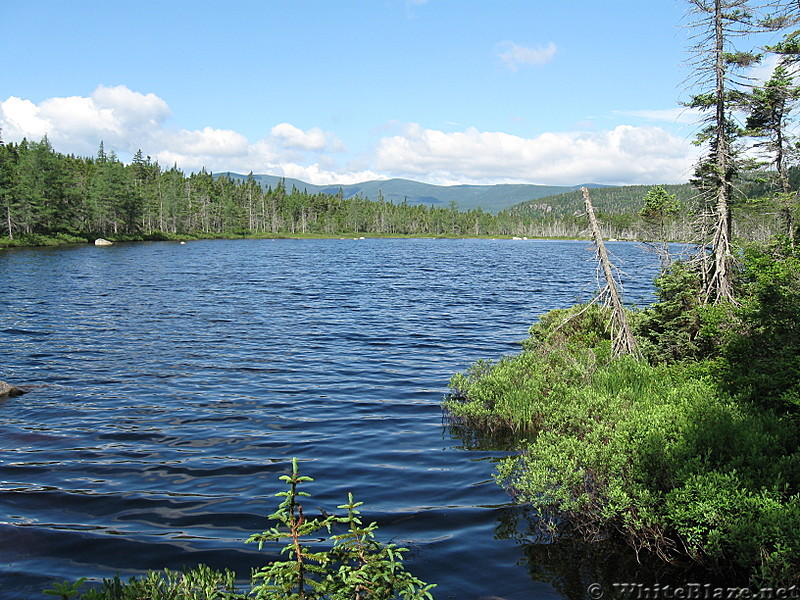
column 443, row 91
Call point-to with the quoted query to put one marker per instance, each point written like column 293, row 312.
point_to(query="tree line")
column 46, row 193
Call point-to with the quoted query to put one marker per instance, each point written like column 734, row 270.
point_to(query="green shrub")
column 657, row 454
column 565, row 348
column 671, row 466
column 762, row 363
column 356, row 567
column 200, row 583
column 754, row 342
column 36, row 239
column 679, row 327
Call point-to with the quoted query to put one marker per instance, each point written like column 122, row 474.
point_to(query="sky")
column 554, row 92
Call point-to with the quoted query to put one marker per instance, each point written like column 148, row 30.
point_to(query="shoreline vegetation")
column 42, row 241
column 684, row 445
column 687, row 450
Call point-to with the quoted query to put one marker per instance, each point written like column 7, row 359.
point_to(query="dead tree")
column 623, row 341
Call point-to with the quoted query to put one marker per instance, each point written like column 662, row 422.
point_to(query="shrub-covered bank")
column 691, row 452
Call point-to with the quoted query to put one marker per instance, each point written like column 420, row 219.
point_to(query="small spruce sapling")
column 293, row 578
column 356, row 567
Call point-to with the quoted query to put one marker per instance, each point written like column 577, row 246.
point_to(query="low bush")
column 564, row 349
column 34, row 239
column 762, row 363
column 671, row 466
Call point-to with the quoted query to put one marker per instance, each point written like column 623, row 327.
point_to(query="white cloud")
column 625, row 154
column 77, row 124
column 131, row 108
column 206, row 142
column 126, row 121
column 320, row 176
column 314, row 139
column 20, row 118
column 514, row 55
column 75, row 115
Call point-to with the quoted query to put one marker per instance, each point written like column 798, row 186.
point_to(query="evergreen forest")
column 47, row 197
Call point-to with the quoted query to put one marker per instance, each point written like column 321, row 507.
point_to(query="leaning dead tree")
column 623, row 341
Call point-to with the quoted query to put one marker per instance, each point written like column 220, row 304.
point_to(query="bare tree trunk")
column 719, row 283
column 720, row 288
column 623, row 342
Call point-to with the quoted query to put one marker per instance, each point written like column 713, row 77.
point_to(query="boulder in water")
column 6, row 389
column 102, row 242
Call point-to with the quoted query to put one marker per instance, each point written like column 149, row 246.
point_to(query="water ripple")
column 171, row 385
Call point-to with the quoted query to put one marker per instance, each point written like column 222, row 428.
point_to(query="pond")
column 171, row 385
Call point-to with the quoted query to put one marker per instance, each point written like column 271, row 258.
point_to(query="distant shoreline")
column 53, row 241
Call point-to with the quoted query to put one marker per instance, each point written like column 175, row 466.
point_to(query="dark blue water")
column 170, row 386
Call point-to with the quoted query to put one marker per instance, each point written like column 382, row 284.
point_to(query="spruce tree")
column 770, row 111
column 717, row 65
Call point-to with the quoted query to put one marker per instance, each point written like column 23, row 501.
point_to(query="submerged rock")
column 6, row 389
column 102, row 242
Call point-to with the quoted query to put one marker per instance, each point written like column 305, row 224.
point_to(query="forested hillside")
column 621, row 200
column 44, row 193
column 620, row 210
column 49, row 197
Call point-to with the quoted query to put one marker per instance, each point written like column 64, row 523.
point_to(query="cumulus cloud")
column 314, row 139
column 20, row 118
column 129, row 108
column 625, row 154
column 126, row 120
column 514, row 56
column 319, row 175
column 77, row 124
column 208, row 142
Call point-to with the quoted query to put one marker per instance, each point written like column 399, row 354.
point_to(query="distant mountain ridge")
column 491, row 198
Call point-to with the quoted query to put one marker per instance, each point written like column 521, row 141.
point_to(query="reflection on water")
column 571, row 565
